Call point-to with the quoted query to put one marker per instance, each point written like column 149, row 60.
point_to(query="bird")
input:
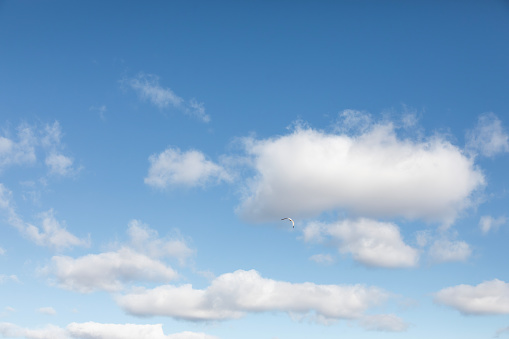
column 293, row 224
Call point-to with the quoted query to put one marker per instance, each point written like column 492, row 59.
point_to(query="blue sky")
column 148, row 152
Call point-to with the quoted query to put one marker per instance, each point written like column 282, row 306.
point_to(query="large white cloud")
column 93, row 330
column 148, row 88
column 174, row 167
column 137, row 260
column 488, row 137
column 372, row 174
column 371, row 242
column 489, row 297
column 232, row 295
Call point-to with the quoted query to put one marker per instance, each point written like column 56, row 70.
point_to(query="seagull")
column 293, row 224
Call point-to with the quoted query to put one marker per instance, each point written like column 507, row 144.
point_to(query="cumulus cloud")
column 137, row 260
column 51, row 233
column 232, row 295
column 488, row 138
column 370, row 242
column 445, row 250
column 8, row 330
column 93, row 330
column 373, row 174
column 107, row 271
column 489, row 297
column 488, row 223
column 148, row 88
column 146, row 240
column 174, row 167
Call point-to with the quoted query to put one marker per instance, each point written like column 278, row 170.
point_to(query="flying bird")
column 293, row 224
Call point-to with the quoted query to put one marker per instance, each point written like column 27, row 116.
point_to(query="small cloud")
column 148, row 88
column 175, row 168
column 489, row 297
column 501, row 331
column 488, row 138
column 384, row 323
column 59, row 164
column 324, row 259
column 2, row 251
column 488, row 223
column 101, row 110
column 47, row 310
column 445, row 250
column 5, row 278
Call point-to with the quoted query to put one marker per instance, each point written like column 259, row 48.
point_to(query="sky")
column 149, row 150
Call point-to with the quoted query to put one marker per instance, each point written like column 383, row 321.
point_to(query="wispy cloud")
column 33, row 141
column 51, row 233
column 47, row 310
column 445, row 250
column 487, row 223
column 148, row 88
column 489, row 137
column 173, row 167
column 489, row 297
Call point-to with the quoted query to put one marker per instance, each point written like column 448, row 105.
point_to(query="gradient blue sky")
column 148, row 151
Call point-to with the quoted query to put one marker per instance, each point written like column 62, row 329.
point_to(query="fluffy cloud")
column 138, row 260
column 191, row 168
column 20, row 149
column 489, row 297
column 59, row 164
column 370, row 242
column 445, row 250
column 8, row 330
column 374, row 174
column 93, row 330
column 148, row 88
column 50, row 234
column 489, row 137
column 488, row 223
column 234, row 294
column 108, row 271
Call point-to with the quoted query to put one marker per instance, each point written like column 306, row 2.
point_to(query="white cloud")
column 234, row 294
column 325, row 259
column 20, row 151
column 489, row 137
column 489, row 297
column 445, row 250
column 146, row 240
column 8, row 330
column 107, row 271
column 191, row 168
column 488, row 223
column 12, row 277
column 371, row 242
column 383, row 322
column 373, row 174
column 137, row 260
column 51, row 234
column 32, row 140
column 148, row 88
column 59, row 164
column 47, row 310
column 93, row 330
